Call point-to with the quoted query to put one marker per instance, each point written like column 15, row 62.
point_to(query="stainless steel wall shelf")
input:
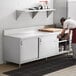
column 34, row 12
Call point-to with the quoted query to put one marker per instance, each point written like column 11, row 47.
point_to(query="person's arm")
column 67, row 35
column 62, row 33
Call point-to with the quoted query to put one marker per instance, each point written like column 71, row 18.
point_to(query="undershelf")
column 65, row 51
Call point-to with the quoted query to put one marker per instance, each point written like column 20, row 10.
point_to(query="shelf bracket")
column 18, row 13
column 48, row 13
column 34, row 14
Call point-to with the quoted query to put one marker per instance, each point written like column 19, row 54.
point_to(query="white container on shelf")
column 44, row 4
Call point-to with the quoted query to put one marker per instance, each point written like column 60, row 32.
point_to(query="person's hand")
column 66, row 37
column 59, row 36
